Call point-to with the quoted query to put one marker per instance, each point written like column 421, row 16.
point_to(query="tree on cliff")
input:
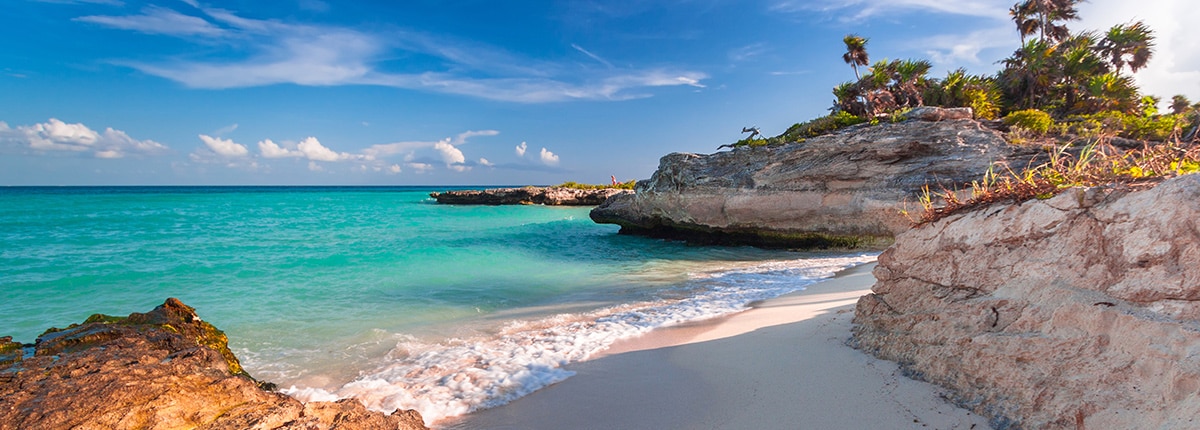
column 1044, row 17
column 856, row 53
column 1128, row 45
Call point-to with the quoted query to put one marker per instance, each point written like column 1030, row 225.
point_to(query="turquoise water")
column 357, row 292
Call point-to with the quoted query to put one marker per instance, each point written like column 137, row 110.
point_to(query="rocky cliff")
column 845, row 189
column 1081, row 311
column 553, row 196
column 165, row 369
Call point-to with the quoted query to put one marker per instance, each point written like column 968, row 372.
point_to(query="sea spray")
column 457, row 376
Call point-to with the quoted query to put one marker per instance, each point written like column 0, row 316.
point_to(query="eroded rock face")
column 165, row 369
column 1077, row 312
column 552, row 196
column 848, row 189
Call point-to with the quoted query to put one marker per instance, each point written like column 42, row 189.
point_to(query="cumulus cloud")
column 314, row 150
column 55, row 135
column 313, row 166
column 309, row 148
column 548, row 157
column 394, row 169
column 224, row 147
column 484, row 162
column 521, row 149
column 270, row 149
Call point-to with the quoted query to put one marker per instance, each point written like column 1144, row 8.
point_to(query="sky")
column 424, row 92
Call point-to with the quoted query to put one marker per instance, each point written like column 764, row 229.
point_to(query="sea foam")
column 457, row 376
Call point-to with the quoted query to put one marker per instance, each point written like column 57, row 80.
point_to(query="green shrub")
column 1114, row 123
column 1030, row 119
column 819, row 126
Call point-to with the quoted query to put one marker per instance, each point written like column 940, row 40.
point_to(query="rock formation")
column 848, row 189
column 1081, row 311
column 553, row 196
column 165, row 369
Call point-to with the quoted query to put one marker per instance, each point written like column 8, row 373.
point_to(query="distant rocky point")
column 165, row 369
column 551, row 196
column 848, row 189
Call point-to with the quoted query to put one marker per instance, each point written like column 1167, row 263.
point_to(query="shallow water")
column 373, row 293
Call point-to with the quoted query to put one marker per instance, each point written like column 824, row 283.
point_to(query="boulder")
column 165, row 369
column 848, row 189
column 1081, row 311
column 552, row 196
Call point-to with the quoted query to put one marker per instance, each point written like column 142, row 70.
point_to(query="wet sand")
column 782, row 364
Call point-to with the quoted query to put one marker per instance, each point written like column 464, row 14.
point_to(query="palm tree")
column 1180, row 104
column 1026, row 24
column 856, row 53
column 1128, row 45
column 1042, row 17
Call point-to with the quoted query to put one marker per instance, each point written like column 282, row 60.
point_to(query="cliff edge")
column 847, row 189
column 1081, row 311
column 165, row 369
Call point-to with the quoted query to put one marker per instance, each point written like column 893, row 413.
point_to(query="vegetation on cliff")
column 1081, row 81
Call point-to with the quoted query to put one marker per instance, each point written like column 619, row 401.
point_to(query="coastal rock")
column 165, row 369
column 848, row 189
column 1081, row 311
column 552, row 196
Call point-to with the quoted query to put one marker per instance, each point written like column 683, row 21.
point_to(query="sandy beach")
column 782, row 364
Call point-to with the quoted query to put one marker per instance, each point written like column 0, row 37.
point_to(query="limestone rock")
column 166, row 369
column 1077, row 312
column 932, row 113
column 553, row 196
column 846, row 189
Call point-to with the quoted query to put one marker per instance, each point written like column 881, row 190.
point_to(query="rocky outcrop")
column 165, row 369
column 1081, row 311
column 847, row 189
column 553, row 196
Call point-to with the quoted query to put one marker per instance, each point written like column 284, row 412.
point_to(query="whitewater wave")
column 457, row 376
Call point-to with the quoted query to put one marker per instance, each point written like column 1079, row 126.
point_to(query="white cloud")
column 484, row 162
column 451, row 155
column 748, row 52
column 56, row 135
column 314, row 150
column 313, row 166
column 224, row 147
column 548, row 157
column 394, row 169
column 521, row 149
column 286, row 53
column 158, row 20
column 309, row 148
column 270, row 149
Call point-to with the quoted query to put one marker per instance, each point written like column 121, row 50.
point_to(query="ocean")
column 376, row 293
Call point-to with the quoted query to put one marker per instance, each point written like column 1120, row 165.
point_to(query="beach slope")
column 782, row 364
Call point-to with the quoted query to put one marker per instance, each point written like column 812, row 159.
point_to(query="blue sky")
column 100, row 92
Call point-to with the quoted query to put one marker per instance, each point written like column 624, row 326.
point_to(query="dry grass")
column 1095, row 164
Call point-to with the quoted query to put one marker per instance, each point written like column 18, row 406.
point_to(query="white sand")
column 782, row 365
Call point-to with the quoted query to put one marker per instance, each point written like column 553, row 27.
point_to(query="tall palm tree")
column 1044, row 17
column 1128, row 45
column 1026, row 24
column 856, row 53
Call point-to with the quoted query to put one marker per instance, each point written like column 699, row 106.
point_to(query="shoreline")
column 783, row 361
